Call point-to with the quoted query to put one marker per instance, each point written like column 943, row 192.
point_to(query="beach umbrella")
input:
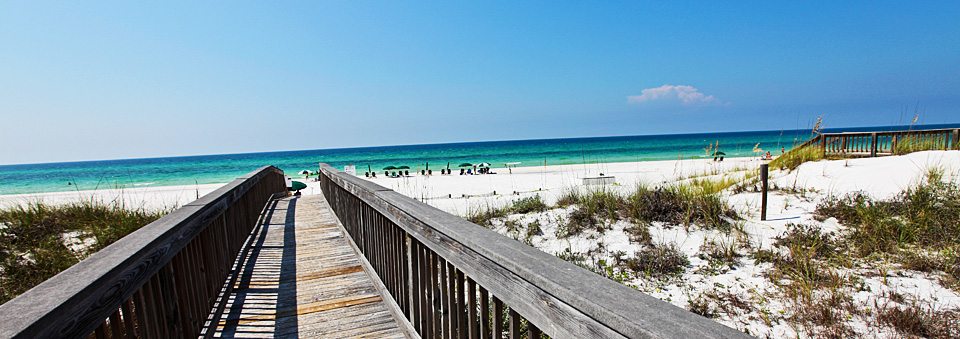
column 483, row 164
column 466, row 164
column 296, row 186
column 389, row 168
column 304, row 172
column 718, row 153
column 403, row 167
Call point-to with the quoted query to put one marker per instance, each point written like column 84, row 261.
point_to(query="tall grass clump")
column 915, row 143
column 679, row 205
column 592, row 209
column 713, row 186
column 528, row 205
column 38, row 240
column 797, row 156
column 484, row 215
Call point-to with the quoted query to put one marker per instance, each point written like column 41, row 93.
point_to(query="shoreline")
column 457, row 194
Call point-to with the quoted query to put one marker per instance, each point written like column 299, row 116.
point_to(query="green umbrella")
column 466, row 164
column 388, row 168
column 718, row 153
column 296, row 186
column 403, row 167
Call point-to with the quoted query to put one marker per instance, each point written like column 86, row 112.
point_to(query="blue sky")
column 105, row 80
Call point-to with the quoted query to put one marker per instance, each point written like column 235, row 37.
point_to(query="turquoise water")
column 208, row 169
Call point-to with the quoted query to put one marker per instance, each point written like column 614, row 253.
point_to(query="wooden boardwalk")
column 302, row 278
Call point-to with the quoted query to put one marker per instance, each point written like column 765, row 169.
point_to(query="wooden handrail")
column 442, row 269
column 162, row 280
column 876, row 143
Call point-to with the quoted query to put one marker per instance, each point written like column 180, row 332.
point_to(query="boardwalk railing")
column 161, row 281
column 455, row 279
column 872, row 144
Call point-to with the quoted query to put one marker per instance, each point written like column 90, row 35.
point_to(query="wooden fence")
column 455, row 279
column 872, row 144
column 161, row 281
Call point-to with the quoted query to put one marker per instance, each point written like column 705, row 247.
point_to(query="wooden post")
column 823, row 145
column 893, row 143
column 410, row 273
column 873, row 144
column 956, row 138
column 763, row 183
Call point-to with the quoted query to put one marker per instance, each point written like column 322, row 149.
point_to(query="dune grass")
column 681, row 204
column 915, row 143
column 39, row 240
column 926, row 215
column 484, row 215
column 797, row 156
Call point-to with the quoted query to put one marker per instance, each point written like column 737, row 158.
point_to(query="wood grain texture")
column 302, row 278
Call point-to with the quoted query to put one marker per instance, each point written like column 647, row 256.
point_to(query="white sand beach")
column 150, row 198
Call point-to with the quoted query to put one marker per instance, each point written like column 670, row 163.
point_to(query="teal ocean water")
column 208, row 169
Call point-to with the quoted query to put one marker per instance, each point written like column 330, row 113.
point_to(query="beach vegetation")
column 568, row 197
column 484, row 215
column 721, row 253
column 658, row 261
column 39, row 240
column 638, row 234
column 923, row 321
column 679, row 205
column 915, row 143
column 592, row 211
column 797, row 156
column 804, row 268
column 926, row 215
column 528, row 205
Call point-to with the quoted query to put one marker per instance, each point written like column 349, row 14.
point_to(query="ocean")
column 209, row 169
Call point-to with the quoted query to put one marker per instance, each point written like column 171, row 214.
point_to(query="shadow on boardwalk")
column 301, row 278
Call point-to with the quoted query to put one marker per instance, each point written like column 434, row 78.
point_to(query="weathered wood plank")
column 304, row 278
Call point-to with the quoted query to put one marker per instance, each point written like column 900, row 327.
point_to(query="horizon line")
column 455, row 143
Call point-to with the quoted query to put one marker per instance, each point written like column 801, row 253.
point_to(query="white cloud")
column 687, row 95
